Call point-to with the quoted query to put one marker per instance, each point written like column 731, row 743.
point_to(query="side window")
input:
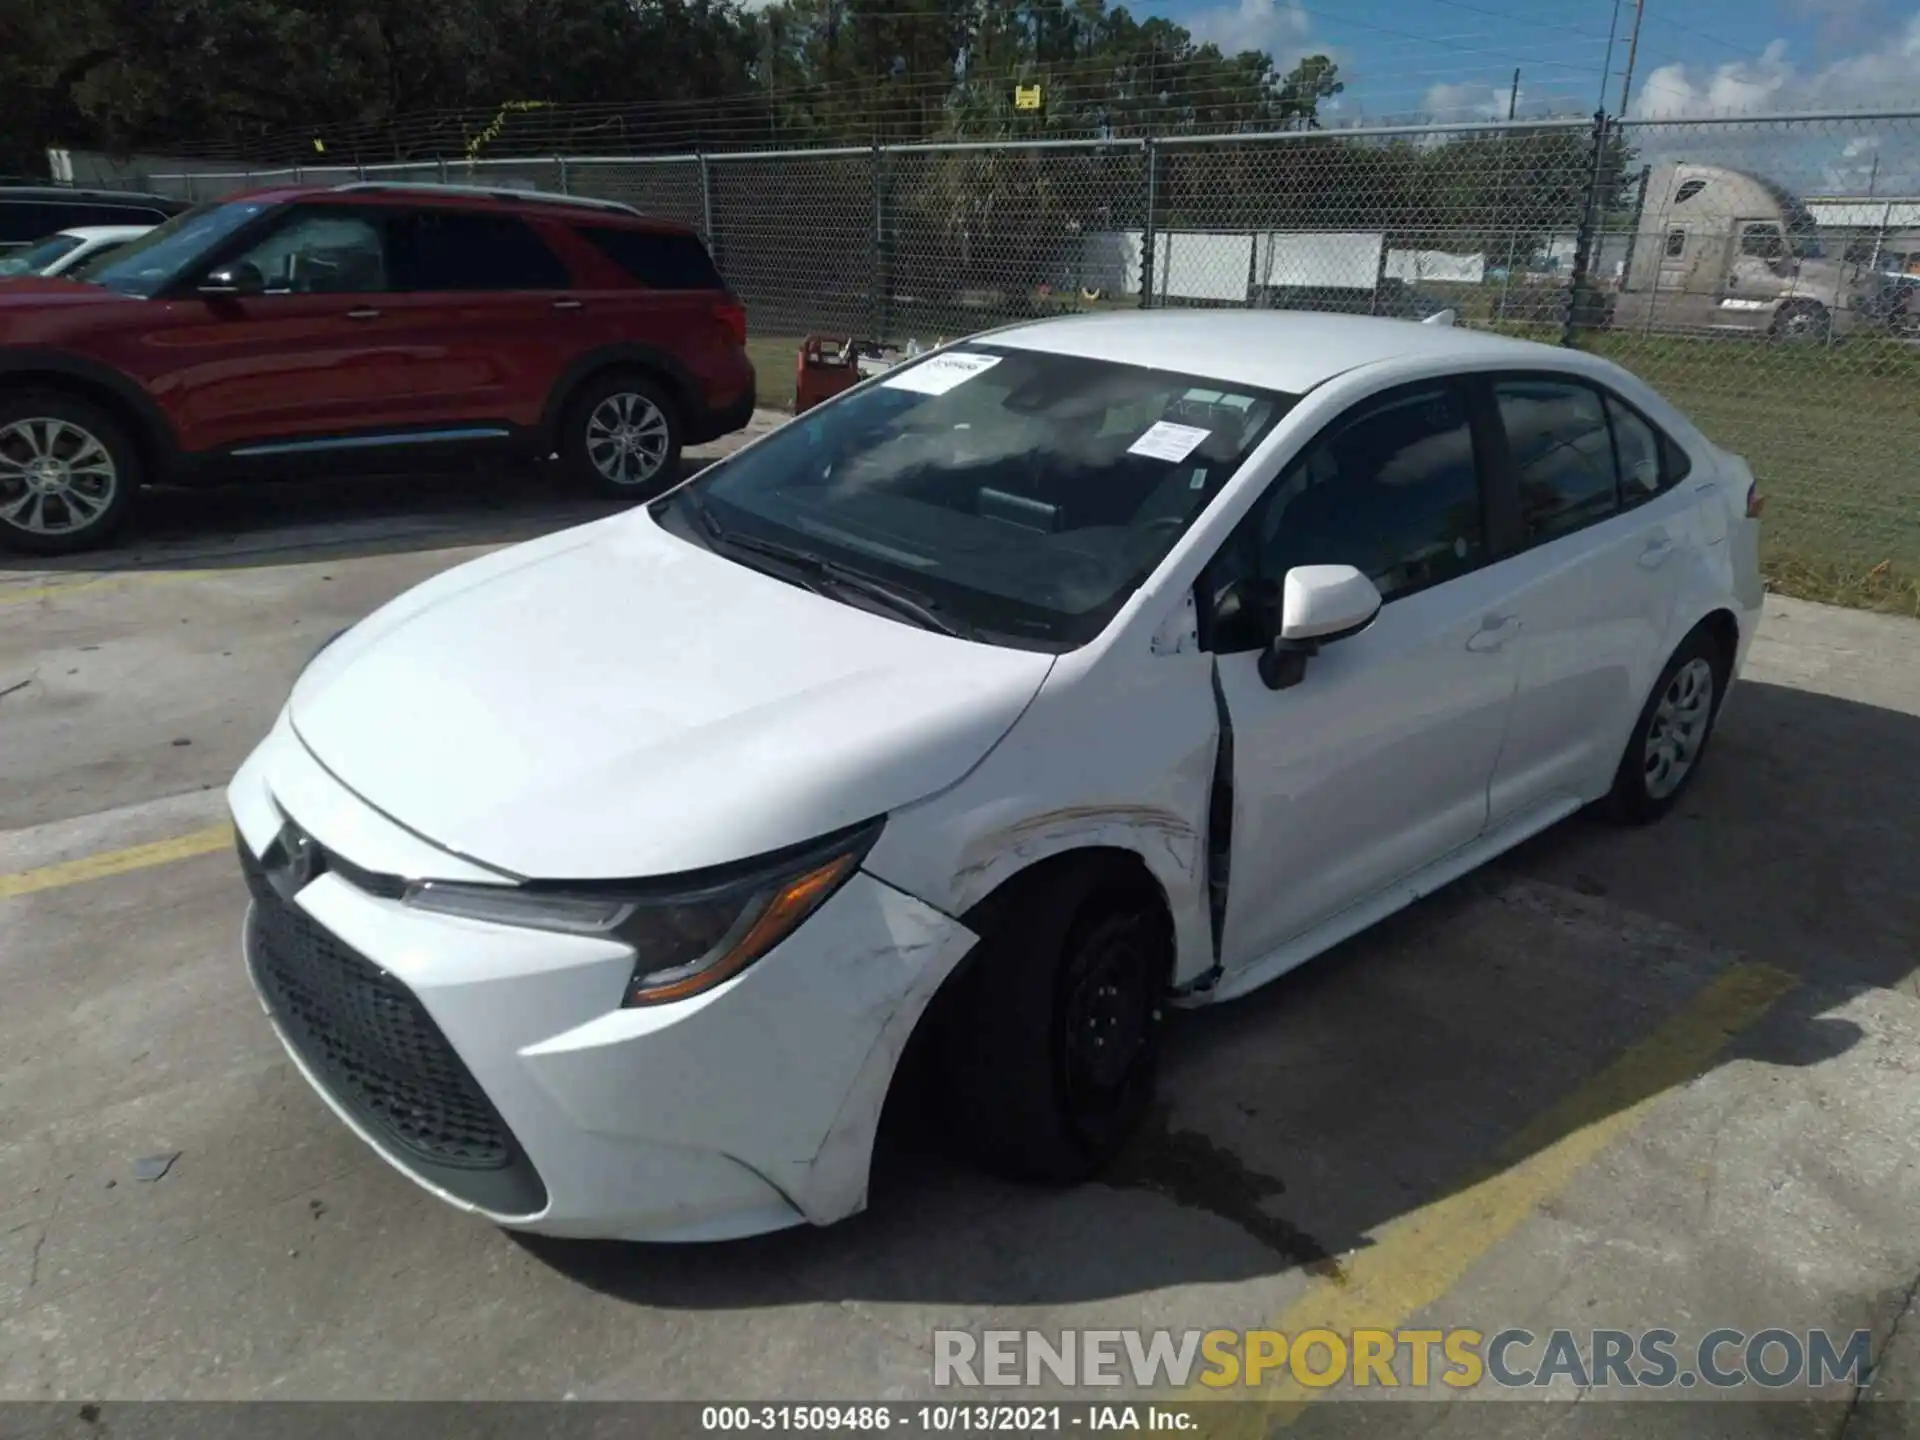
column 1562, row 455
column 440, row 250
column 321, row 251
column 1763, row 242
column 659, row 259
column 1391, row 489
column 1639, row 449
column 1676, row 243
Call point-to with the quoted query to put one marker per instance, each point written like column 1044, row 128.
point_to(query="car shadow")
column 1411, row 1062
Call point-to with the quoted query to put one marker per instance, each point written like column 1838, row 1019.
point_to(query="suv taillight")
column 1756, row 502
column 732, row 315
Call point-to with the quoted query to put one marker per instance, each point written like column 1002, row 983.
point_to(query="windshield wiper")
column 822, row 570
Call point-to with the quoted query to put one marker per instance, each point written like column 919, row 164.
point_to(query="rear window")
column 440, row 250
column 658, row 259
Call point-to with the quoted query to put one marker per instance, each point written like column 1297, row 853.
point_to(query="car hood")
column 615, row 702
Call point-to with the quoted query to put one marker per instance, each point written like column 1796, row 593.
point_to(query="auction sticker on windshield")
column 940, row 374
column 1167, row 441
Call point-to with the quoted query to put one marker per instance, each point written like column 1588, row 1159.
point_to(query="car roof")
column 1283, row 350
column 564, row 207
column 138, row 199
column 105, row 232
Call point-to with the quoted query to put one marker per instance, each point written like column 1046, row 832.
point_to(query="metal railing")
column 1791, row 339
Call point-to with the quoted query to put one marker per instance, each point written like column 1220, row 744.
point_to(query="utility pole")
column 1633, row 51
column 1513, row 95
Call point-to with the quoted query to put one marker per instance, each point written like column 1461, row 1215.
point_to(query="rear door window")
column 658, row 259
column 1562, row 451
column 440, row 250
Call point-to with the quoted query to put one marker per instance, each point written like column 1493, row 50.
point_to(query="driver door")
column 1378, row 761
column 319, row 354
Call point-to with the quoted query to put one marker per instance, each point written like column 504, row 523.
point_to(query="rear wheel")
column 1670, row 739
column 622, row 437
column 1050, row 1054
column 68, row 473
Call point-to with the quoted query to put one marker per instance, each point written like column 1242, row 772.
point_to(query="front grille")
column 379, row 1054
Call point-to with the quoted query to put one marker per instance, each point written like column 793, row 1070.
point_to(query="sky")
column 1454, row 59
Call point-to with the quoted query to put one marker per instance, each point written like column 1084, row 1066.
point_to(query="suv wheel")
column 68, row 473
column 622, row 437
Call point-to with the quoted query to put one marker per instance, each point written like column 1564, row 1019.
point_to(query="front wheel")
column 1050, row 1055
column 1804, row 324
column 68, row 473
column 1670, row 738
column 622, row 438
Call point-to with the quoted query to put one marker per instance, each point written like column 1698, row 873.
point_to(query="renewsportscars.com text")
column 1462, row 1359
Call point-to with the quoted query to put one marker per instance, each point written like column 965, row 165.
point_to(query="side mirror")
column 234, row 281
column 1319, row 604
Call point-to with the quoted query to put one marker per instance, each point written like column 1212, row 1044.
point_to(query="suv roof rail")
column 491, row 192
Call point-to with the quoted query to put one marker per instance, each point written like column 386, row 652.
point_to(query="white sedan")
column 66, row 250
column 1084, row 668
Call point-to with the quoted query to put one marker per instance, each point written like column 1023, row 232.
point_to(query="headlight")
column 688, row 934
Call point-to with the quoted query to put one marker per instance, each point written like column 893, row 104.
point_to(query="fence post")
column 1146, row 232
column 706, row 211
column 560, row 162
column 879, row 286
column 1583, row 241
column 443, row 169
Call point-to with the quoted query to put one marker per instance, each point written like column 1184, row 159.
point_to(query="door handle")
column 1494, row 631
column 364, row 313
column 567, row 304
column 1654, row 553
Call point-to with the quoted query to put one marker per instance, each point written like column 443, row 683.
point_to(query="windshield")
column 1023, row 496
column 37, row 256
column 144, row 266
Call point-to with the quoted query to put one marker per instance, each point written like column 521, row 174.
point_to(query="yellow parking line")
column 117, row 862
column 1421, row 1256
column 28, row 593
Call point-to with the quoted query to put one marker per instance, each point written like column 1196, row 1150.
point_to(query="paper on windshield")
column 1167, row 441
column 940, row 374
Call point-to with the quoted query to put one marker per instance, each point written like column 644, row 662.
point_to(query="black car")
column 31, row 212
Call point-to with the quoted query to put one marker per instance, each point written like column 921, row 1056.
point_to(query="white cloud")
column 1278, row 27
column 1887, row 74
column 1457, row 103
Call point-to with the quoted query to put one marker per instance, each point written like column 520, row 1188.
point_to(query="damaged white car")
column 1082, row 669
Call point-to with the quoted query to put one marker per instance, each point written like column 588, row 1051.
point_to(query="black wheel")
column 68, row 473
column 1048, row 1057
column 1805, row 323
column 621, row 437
column 1670, row 738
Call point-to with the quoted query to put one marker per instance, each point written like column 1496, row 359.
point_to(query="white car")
column 67, row 250
column 1088, row 667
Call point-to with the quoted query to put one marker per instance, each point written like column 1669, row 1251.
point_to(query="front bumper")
column 494, row 1066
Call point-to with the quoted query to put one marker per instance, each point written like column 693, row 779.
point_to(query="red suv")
column 368, row 325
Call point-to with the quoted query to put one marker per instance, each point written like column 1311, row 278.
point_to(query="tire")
column 1646, row 787
column 592, row 428
column 68, row 473
column 1075, row 958
column 1802, row 324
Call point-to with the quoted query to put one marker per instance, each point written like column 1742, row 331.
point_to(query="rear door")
column 498, row 304
column 653, row 287
column 1603, row 533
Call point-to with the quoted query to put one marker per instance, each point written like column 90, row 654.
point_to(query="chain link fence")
column 1763, row 273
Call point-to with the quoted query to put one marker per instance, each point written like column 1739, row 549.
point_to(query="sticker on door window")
column 1167, row 441
column 940, row 374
